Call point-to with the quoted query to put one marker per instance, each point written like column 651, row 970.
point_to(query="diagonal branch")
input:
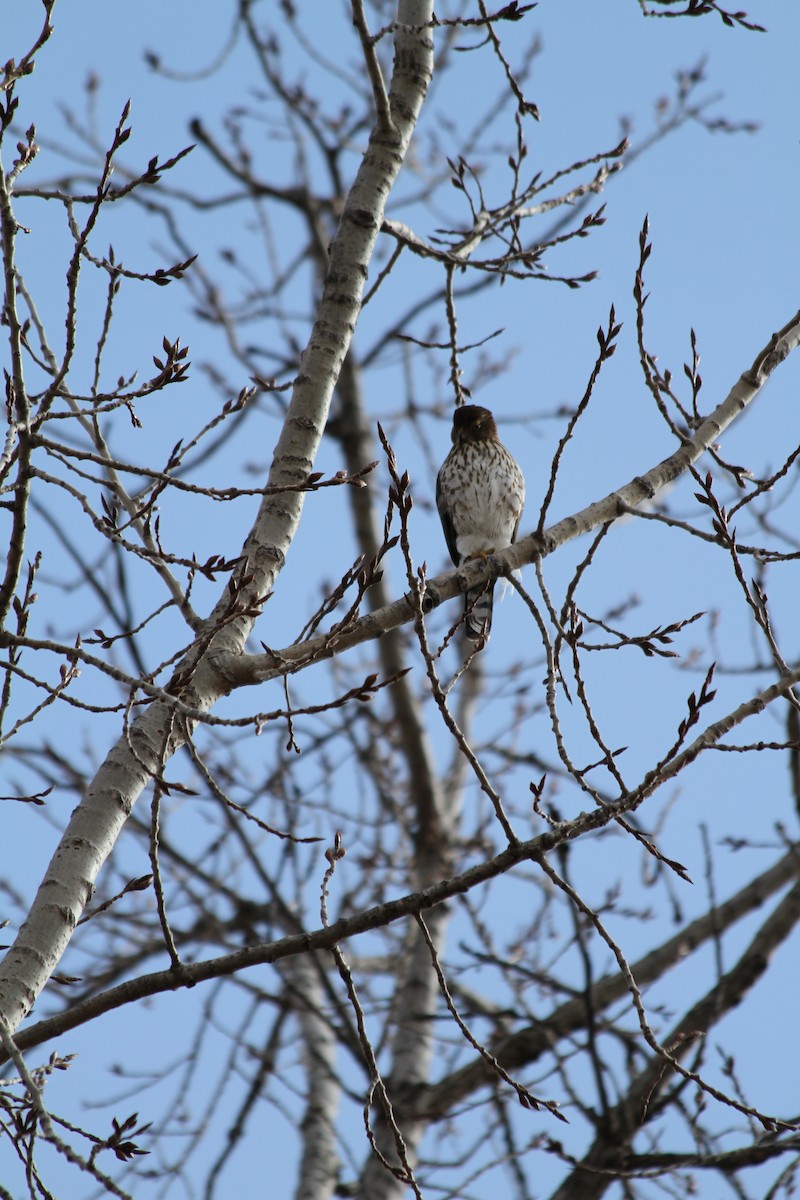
column 243, row 670
column 155, row 736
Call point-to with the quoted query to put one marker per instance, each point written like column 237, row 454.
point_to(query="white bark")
column 143, row 750
column 319, row 1161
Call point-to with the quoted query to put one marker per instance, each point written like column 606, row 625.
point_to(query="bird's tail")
column 478, row 612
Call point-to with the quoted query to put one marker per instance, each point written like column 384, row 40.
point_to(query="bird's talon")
column 430, row 600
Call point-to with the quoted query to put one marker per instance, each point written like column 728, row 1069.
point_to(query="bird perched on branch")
column 480, row 493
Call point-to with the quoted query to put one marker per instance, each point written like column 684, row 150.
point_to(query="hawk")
column 480, row 493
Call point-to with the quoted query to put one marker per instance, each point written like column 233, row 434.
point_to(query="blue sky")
column 726, row 262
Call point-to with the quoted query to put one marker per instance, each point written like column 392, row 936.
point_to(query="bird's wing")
column 519, row 482
column 446, row 518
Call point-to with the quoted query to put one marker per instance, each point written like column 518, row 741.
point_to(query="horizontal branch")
column 517, row 1049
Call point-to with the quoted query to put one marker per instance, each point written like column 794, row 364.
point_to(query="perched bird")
column 480, row 493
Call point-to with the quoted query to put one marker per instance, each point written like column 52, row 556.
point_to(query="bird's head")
column 471, row 423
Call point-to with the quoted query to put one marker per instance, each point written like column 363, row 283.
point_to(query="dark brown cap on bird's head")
column 471, row 423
